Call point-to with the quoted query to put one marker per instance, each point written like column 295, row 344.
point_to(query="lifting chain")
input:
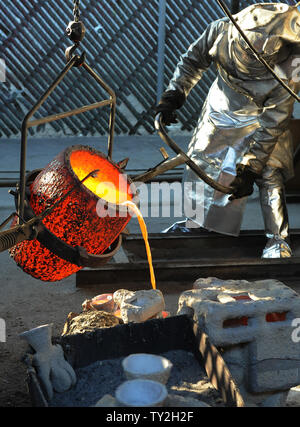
column 75, row 30
column 76, row 11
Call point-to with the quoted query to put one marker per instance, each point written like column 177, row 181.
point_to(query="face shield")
column 271, row 48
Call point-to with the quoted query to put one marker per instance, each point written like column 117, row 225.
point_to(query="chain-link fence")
column 121, row 44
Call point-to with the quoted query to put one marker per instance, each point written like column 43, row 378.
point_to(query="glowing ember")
column 103, row 302
column 117, row 313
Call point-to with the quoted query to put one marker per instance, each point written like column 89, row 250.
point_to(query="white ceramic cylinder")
column 141, row 393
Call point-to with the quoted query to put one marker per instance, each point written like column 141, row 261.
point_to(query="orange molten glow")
column 78, row 220
column 108, row 185
column 112, row 187
column 117, row 313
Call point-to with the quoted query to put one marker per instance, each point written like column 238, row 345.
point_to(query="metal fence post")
column 161, row 47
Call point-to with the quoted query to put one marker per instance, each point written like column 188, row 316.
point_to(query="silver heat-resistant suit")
column 245, row 117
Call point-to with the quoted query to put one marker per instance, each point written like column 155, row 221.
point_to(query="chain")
column 76, row 11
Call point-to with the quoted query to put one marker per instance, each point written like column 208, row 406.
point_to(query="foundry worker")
column 242, row 135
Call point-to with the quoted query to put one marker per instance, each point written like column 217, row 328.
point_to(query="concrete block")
column 252, row 323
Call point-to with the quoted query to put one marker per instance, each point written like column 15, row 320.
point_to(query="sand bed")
column 187, row 379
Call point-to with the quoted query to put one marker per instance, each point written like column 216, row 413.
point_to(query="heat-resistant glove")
column 53, row 371
column 242, row 185
column 170, row 101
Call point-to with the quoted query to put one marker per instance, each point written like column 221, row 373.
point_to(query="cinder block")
column 252, row 322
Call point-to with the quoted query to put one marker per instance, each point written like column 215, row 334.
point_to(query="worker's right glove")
column 243, row 183
column 170, row 101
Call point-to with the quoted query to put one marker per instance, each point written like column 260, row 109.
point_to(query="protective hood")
column 270, row 27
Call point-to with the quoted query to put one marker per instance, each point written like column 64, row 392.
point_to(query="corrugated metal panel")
column 121, row 45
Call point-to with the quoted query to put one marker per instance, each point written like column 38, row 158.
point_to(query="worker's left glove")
column 170, row 101
column 243, row 183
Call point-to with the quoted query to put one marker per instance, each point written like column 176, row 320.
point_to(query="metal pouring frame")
column 28, row 226
column 164, row 166
column 76, row 60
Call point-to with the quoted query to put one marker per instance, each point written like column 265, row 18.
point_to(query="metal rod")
column 161, row 48
column 160, row 169
column 112, row 120
column 65, row 114
column 14, row 235
column 27, row 124
column 183, row 156
column 24, row 130
column 113, row 101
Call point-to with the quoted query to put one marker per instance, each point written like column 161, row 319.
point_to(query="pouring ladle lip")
column 158, row 124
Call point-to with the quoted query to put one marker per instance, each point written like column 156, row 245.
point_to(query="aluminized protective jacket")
column 246, row 114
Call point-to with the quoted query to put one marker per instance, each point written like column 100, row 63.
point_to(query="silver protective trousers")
column 275, row 213
column 273, row 203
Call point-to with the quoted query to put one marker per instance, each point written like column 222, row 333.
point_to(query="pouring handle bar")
column 181, row 158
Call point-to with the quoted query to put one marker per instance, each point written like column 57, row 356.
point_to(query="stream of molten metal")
column 131, row 206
